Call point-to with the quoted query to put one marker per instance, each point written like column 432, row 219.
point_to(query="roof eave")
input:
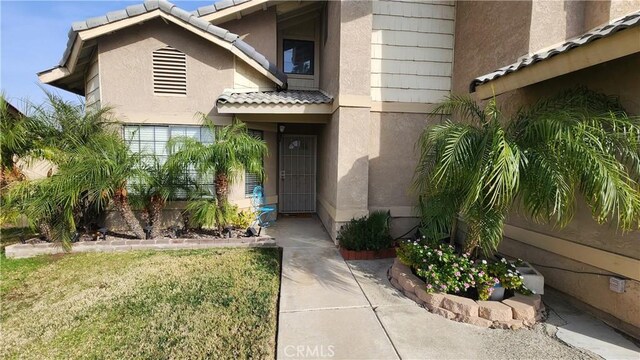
column 226, row 108
column 81, row 32
column 605, row 49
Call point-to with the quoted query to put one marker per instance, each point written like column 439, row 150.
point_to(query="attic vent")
column 169, row 72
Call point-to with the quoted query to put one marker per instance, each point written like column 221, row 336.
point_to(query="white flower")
column 484, row 261
column 504, row 260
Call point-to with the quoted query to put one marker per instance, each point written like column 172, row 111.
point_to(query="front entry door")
column 297, row 193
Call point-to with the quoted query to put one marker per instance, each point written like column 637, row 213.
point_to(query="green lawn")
column 171, row 304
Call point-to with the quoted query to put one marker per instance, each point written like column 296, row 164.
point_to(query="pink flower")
column 481, row 273
column 429, row 286
column 496, row 280
column 473, row 283
column 457, row 273
column 443, row 286
column 466, row 285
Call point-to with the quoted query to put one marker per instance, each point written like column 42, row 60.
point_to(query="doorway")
column 297, row 170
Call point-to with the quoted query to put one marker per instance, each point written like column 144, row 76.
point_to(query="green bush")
column 367, row 233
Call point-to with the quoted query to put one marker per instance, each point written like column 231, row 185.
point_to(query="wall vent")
column 169, row 72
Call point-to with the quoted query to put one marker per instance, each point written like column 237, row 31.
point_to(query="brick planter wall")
column 512, row 313
column 30, row 250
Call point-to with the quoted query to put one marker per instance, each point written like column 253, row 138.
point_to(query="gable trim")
column 164, row 10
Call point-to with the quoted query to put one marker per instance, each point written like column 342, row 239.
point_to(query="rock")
column 395, row 284
column 522, row 308
column 460, row 305
column 534, row 300
column 494, row 311
column 444, row 313
column 431, row 300
column 409, row 282
column 474, row 320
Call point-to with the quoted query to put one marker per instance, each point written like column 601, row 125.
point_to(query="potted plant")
column 367, row 238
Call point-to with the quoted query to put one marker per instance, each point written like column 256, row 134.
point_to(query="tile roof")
column 628, row 21
column 217, row 6
column 171, row 9
column 289, row 97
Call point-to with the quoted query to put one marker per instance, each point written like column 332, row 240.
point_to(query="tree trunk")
column 221, row 182
column 155, row 215
column 186, row 219
column 45, row 230
column 122, row 206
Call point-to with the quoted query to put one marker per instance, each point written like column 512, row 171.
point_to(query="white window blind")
column 152, row 140
column 169, row 72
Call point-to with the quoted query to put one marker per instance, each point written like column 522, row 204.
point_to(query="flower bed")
column 513, row 313
column 444, row 270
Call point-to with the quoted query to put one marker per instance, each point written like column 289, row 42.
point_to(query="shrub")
column 243, row 219
column 367, row 233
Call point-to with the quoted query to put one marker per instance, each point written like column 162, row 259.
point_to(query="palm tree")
column 16, row 141
column 232, row 152
column 577, row 142
column 160, row 182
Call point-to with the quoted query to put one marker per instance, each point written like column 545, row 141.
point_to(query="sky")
column 33, row 36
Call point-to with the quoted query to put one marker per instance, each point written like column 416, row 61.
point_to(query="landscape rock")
column 494, row 311
column 431, row 300
column 522, row 308
column 460, row 305
column 444, row 313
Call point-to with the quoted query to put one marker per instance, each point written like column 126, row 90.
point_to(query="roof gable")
column 83, row 32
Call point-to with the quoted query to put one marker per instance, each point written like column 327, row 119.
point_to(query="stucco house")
column 341, row 90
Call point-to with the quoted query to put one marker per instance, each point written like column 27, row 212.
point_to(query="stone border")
column 29, row 250
column 513, row 313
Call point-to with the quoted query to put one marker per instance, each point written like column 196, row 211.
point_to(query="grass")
column 175, row 304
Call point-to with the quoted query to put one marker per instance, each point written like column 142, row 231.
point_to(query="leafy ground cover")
column 217, row 304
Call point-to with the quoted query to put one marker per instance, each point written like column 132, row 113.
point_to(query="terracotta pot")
column 367, row 254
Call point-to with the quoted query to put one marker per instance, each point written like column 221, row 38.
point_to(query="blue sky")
column 33, row 36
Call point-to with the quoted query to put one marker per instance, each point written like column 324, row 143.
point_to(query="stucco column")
column 353, row 116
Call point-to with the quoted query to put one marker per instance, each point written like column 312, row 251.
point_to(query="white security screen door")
column 297, row 193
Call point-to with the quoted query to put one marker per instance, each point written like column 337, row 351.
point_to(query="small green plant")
column 367, row 233
column 243, row 219
column 206, row 213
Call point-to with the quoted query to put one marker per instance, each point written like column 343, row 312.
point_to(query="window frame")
column 210, row 185
column 313, row 55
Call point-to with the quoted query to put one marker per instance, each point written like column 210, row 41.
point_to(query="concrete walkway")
column 338, row 310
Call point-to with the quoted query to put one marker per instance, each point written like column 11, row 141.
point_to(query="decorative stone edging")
column 29, row 250
column 513, row 313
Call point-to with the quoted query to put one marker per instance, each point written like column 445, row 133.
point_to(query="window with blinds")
column 251, row 180
column 169, row 72
column 152, row 140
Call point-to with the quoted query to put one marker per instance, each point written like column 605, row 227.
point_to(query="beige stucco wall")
column 355, row 48
column 258, row 30
column 327, row 173
column 480, row 52
column 330, row 51
column 591, row 289
column 125, row 63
